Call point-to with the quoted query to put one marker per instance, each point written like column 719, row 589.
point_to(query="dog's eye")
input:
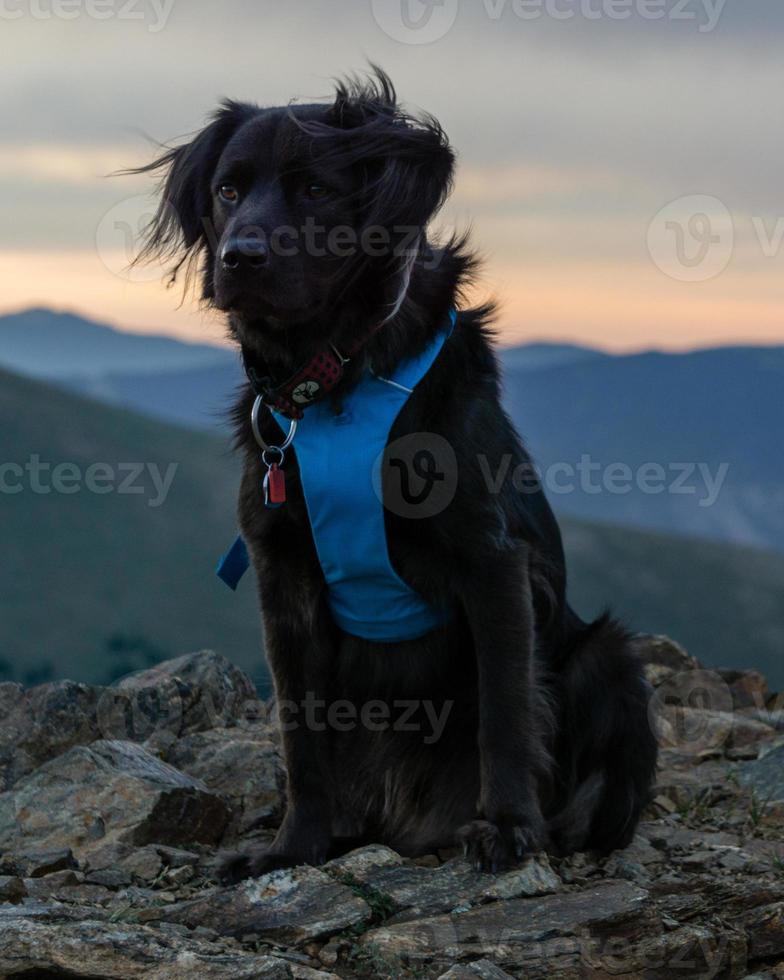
column 229, row 193
column 316, row 192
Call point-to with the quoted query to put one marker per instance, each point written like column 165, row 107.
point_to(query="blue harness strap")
column 340, row 459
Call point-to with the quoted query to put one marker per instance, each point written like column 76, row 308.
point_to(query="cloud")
column 571, row 134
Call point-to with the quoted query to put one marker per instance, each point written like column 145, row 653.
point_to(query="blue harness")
column 340, row 459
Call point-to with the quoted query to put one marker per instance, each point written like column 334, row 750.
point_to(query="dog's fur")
column 547, row 741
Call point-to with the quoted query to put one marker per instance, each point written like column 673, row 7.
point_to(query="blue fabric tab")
column 340, row 463
column 234, row 564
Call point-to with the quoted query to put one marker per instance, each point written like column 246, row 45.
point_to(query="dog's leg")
column 497, row 601
column 299, row 644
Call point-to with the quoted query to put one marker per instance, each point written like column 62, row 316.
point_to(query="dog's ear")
column 410, row 172
column 406, row 161
column 181, row 225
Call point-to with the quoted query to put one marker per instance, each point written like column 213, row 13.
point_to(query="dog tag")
column 274, row 487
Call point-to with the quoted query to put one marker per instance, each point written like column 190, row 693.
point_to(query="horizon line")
column 534, row 340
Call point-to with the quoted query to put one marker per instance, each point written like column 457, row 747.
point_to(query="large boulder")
column 243, row 766
column 41, row 723
column 109, row 790
column 192, row 693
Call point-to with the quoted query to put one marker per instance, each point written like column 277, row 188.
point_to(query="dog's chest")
column 340, row 460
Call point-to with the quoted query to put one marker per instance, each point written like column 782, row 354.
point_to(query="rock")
column 640, row 851
column 749, row 688
column 482, row 969
column 364, row 861
column 107, row 850
column 535, row 877
column 108, row 878
column 143, row 863
column 42, row 723
column 301, row 972
column 191, row 693
column 290, row 906
column 12, row 889
column 516, row 932
column 768, row 716
column 176, row 857
column 77, row 893
column 243, row 767
column 766, row 775
column 35, row 864
column 53, row 883
column 108, row 791
column 748, row 732
column 35, row 941
column 663, row 652
column 764, row 927
column 694, row 730
column 407, row 890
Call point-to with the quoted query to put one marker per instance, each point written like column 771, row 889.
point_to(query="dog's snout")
column 244, row 252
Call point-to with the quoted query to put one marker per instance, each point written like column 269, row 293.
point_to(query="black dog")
column 543, row 738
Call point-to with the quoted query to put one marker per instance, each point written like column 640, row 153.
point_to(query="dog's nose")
column 244, row 252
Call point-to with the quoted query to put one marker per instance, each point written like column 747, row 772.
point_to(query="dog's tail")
column 606, row 748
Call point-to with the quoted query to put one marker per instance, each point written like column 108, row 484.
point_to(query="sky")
column 619, row 161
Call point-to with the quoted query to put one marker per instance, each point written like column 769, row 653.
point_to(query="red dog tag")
column 274, row 486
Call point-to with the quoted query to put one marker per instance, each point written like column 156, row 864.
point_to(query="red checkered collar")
column 310, row 383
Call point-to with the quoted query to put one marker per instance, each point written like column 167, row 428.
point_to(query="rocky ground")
column 114, row 801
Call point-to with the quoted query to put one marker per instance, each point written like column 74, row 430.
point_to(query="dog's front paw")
column 288, row 850
column 258, row 860
column 251, row 863
column 497, row 846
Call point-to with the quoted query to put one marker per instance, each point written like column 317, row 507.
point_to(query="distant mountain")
column 197, row 397
column 719, row 600
column 95, row 581
column 46, row 344
column 694, row 415
column 702, row 418
column 104, row 570
column 535, row 356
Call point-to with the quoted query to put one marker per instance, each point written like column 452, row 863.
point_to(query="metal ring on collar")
column 254, row 422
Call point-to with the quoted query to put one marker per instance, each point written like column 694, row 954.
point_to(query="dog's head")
column 303, row 214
